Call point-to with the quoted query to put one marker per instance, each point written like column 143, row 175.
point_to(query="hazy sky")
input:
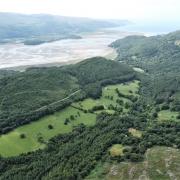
column 164, row 10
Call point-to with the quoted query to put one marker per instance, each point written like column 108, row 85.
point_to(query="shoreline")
column 91, row 45
column 111, row 55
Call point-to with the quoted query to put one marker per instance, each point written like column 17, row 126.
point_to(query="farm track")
column 51, row 104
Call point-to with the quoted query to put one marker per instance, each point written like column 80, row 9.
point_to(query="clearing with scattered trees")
column 123, row 121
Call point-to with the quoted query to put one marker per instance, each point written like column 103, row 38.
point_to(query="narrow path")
column 70, row 95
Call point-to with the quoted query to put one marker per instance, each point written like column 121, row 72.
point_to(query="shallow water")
column 92, row 44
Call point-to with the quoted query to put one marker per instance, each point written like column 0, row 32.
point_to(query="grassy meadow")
column 36, row 134
column 167, row 115
column 109, row 96
column 11, row 144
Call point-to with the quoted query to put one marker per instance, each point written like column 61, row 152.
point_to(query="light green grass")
column 11, row 144
column 116, row 150
column 167, row 115
column 124, row 88
column 110, row 91
column 160, row 163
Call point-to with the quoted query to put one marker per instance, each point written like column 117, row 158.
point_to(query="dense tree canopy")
column 74, row 155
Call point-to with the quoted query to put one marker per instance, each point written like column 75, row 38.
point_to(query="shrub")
column 22, row 136
column 50, row 126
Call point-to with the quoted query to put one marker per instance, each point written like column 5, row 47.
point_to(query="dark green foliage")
column 6, row 73
column 100, row 70
column 74, row 155
column 165, row 107
column 71, row 155
column 93, row 90
column 155, row 115
column 29, row 95
column 159, row 57
column 22, row 136
column 97, row 108
column 24, row 97
column 66, row 121
column 50, row 126
column 72, row 117
column 178, row 117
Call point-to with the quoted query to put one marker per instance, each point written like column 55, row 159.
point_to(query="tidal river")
column 17, row 55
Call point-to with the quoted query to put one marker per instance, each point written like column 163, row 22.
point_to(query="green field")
column 11, row 144
column 167, row 115
column 160, row 163
column 109, row 96
column 37, row 133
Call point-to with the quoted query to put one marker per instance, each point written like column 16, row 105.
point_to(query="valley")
column 96, row 119
column 37, row 134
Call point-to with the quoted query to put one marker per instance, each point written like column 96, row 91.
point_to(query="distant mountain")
column 48, row 27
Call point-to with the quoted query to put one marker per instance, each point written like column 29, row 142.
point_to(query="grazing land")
column 167, row 115
column 109, row 97
column 38, row 133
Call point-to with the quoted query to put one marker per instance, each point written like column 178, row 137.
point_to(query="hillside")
column 37, row 29
column 23, row 95
column 154, row 54
column 159, row 163
column 97, row 119
column 159, row 56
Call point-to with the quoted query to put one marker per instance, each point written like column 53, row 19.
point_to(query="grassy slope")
column 167, row 115
column 160, row 163
column 11, row 144
column 110, row 91
column 25, row 92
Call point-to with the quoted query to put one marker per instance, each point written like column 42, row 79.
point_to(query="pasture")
column 35, row 135
column 109, row 96
column 167, row 115
column 38, row 133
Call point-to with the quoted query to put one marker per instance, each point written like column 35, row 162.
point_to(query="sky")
column 148, row 10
